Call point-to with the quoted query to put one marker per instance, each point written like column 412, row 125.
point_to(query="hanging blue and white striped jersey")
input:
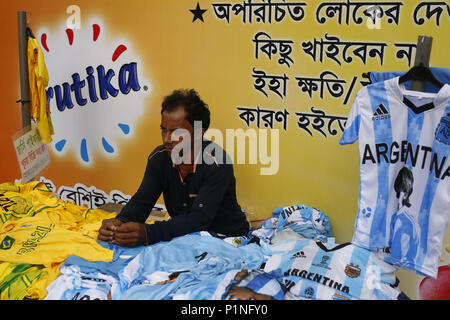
column 404, row 195
column 309, row 270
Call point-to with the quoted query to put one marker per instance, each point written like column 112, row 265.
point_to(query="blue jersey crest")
column 443, row 130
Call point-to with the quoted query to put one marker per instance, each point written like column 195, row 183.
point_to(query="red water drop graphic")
column 96, row 29
column 44, row 41
column 69, row 33
column 119, row 50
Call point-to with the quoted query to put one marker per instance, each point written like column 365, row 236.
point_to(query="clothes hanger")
column 366, row 75
column 421, row 72
column 29, row 33
column 28, row 30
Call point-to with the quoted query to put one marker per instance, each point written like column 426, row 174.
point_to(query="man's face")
column 170, row 121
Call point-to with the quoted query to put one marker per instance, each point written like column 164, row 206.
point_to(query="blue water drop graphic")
column 60, row 145
column 83, row 151
column 108, row 148
column 124, row 127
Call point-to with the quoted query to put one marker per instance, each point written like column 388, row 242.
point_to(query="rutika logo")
column 96, row 92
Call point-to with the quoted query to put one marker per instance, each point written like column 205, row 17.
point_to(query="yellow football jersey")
column 34, row 199
column 37, row 233
column 25, row 188
column 38, row 80
column 16, row 280
column 38, row 288
column 16, row 200
column 45, row 239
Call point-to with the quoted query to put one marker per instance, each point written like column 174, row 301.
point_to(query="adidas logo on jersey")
column 299, row 254
column 381, row 113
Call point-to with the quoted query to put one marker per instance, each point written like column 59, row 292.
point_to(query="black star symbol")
column 198, row 13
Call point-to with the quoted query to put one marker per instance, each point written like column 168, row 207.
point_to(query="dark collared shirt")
column 204, row 200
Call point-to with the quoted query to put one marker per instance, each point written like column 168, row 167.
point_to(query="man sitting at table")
column 198, row 195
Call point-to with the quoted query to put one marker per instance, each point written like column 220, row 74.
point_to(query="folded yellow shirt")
column 45, row 239
column 16, row 281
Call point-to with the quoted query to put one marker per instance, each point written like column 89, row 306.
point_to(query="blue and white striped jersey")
column 304, row 220
column 309, row 270
column 200, row 257
column 218, row 286
column 75, row 284
column 264, row 283
column 404, row 197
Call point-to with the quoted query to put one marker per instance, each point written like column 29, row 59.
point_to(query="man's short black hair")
column 195, row 107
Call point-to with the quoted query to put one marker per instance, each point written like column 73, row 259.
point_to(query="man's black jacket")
column 205, row 200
